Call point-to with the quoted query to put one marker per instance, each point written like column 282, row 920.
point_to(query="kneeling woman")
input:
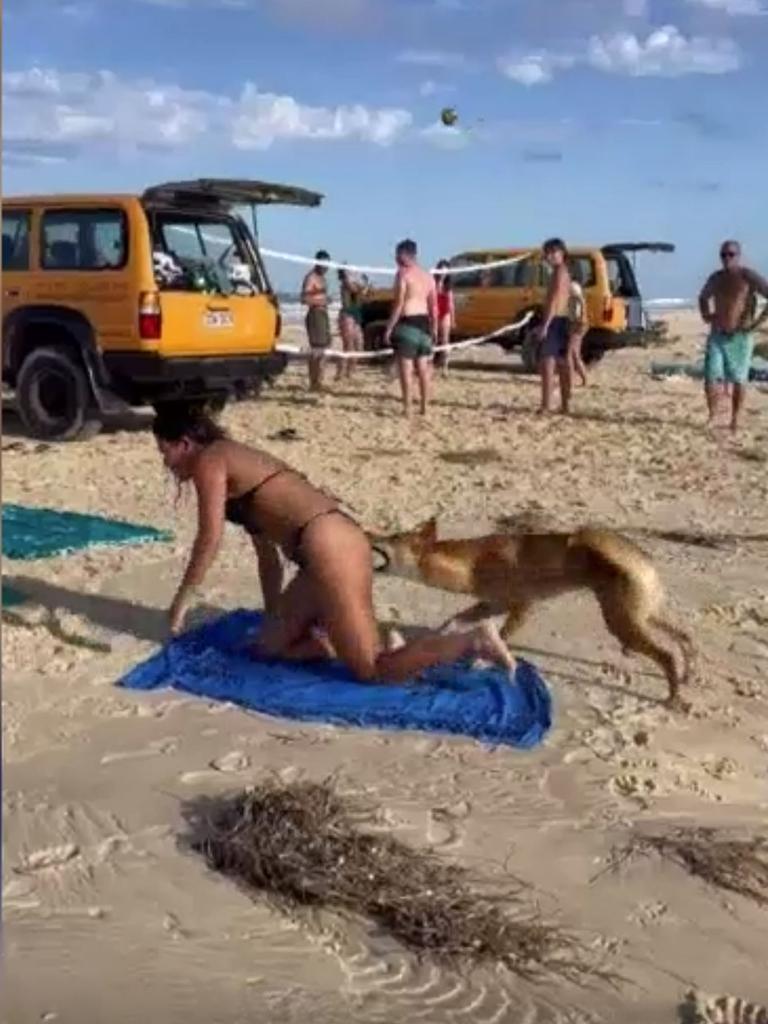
column 327, row 608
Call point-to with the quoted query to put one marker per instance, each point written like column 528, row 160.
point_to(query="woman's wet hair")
column 445, row 281
column 178, row 422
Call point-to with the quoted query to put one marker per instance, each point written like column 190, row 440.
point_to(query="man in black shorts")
column 314, row 295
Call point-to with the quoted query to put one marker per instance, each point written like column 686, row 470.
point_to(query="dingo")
column 510, row 573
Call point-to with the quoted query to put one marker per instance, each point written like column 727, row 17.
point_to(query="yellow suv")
column 488, row 300
column 137, row 299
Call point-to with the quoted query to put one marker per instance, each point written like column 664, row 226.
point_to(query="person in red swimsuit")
column 446, row 314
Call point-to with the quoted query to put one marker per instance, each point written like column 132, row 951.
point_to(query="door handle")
column 12, row 293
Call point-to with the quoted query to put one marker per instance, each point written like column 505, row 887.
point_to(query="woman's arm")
column 210, row 481
column 270, row 572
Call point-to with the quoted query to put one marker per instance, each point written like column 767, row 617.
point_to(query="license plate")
column 219, row 318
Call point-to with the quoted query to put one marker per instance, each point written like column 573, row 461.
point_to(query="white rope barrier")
column 297, row 352
column 308, row 261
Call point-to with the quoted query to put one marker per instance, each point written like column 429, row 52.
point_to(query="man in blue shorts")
column 728, row 303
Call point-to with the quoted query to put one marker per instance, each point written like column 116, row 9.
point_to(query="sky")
column 596, row 120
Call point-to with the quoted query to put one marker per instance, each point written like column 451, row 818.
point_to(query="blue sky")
column 599, row 120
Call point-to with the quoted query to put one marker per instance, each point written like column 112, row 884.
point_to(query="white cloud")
column 534, row 68
column 666, row 52
column 49, row 113
column 748, row 7
column 432, row 59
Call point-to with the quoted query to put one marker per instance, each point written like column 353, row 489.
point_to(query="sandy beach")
column 107, row 919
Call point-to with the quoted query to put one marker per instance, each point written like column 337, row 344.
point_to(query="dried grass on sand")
column 299, row 847
column 738, row 865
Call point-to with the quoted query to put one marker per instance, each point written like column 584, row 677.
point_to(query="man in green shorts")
column 412, row 326
column 728, row 303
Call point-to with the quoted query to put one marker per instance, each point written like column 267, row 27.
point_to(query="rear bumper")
column 138, row 376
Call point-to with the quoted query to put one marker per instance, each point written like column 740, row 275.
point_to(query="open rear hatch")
column 620, row 259
column 229, row 192
column 213, row 268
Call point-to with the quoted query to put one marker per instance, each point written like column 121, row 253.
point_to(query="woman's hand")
column 177, row 613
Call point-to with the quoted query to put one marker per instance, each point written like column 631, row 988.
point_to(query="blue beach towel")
column 482, row 703
column 30, row 533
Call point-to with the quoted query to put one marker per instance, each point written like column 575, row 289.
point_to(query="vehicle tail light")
column 150, row 316
column 607, row 310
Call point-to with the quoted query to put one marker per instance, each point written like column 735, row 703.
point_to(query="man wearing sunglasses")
column 728, row 303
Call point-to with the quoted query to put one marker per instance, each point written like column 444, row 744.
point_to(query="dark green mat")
column 30, row 533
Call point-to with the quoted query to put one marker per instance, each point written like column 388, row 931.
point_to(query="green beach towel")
column 30, row 533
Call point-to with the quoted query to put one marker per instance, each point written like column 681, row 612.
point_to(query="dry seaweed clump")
column 299, row 847
column 738, row 865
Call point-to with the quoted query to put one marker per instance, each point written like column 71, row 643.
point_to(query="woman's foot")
column 395, row 640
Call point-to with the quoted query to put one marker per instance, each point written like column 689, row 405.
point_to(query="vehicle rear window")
column 83, row 239
column 620, row 276
column 16, row 225
column 202, row 254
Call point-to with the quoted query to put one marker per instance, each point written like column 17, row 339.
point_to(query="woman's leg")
column 288, row 633
column 444, row 337
column 577, row 363
column 342, row 569
column 341, row 369
column 356, row 339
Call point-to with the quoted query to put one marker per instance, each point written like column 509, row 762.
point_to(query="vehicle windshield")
column 204, row 254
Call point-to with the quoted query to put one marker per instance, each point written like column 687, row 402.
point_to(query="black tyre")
column 529, row 351
column 54, row 398
column 593, row 348
column 373, row 336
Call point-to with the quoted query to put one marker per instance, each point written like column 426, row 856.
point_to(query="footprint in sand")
column 646, row 914
column 51, row 857
column 169, row 745
column 231, row 763
column 444, row 825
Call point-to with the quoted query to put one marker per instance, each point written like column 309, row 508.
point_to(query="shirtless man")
column 412, row 326
column 728, row 303
column 314, row 295
column 553, row 333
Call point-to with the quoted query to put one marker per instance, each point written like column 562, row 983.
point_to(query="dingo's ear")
column 428, row 530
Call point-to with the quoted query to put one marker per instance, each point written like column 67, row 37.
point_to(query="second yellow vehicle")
column 488, row 300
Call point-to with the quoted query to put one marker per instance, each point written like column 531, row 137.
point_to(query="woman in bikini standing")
column 446, row 314
column 350, row 321
column 327, row 608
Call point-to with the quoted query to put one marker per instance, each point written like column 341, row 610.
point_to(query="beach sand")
column 107, row 919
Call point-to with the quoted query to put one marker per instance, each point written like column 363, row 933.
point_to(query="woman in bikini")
column 446, row 316
column 350, row 321
column 327, row 608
